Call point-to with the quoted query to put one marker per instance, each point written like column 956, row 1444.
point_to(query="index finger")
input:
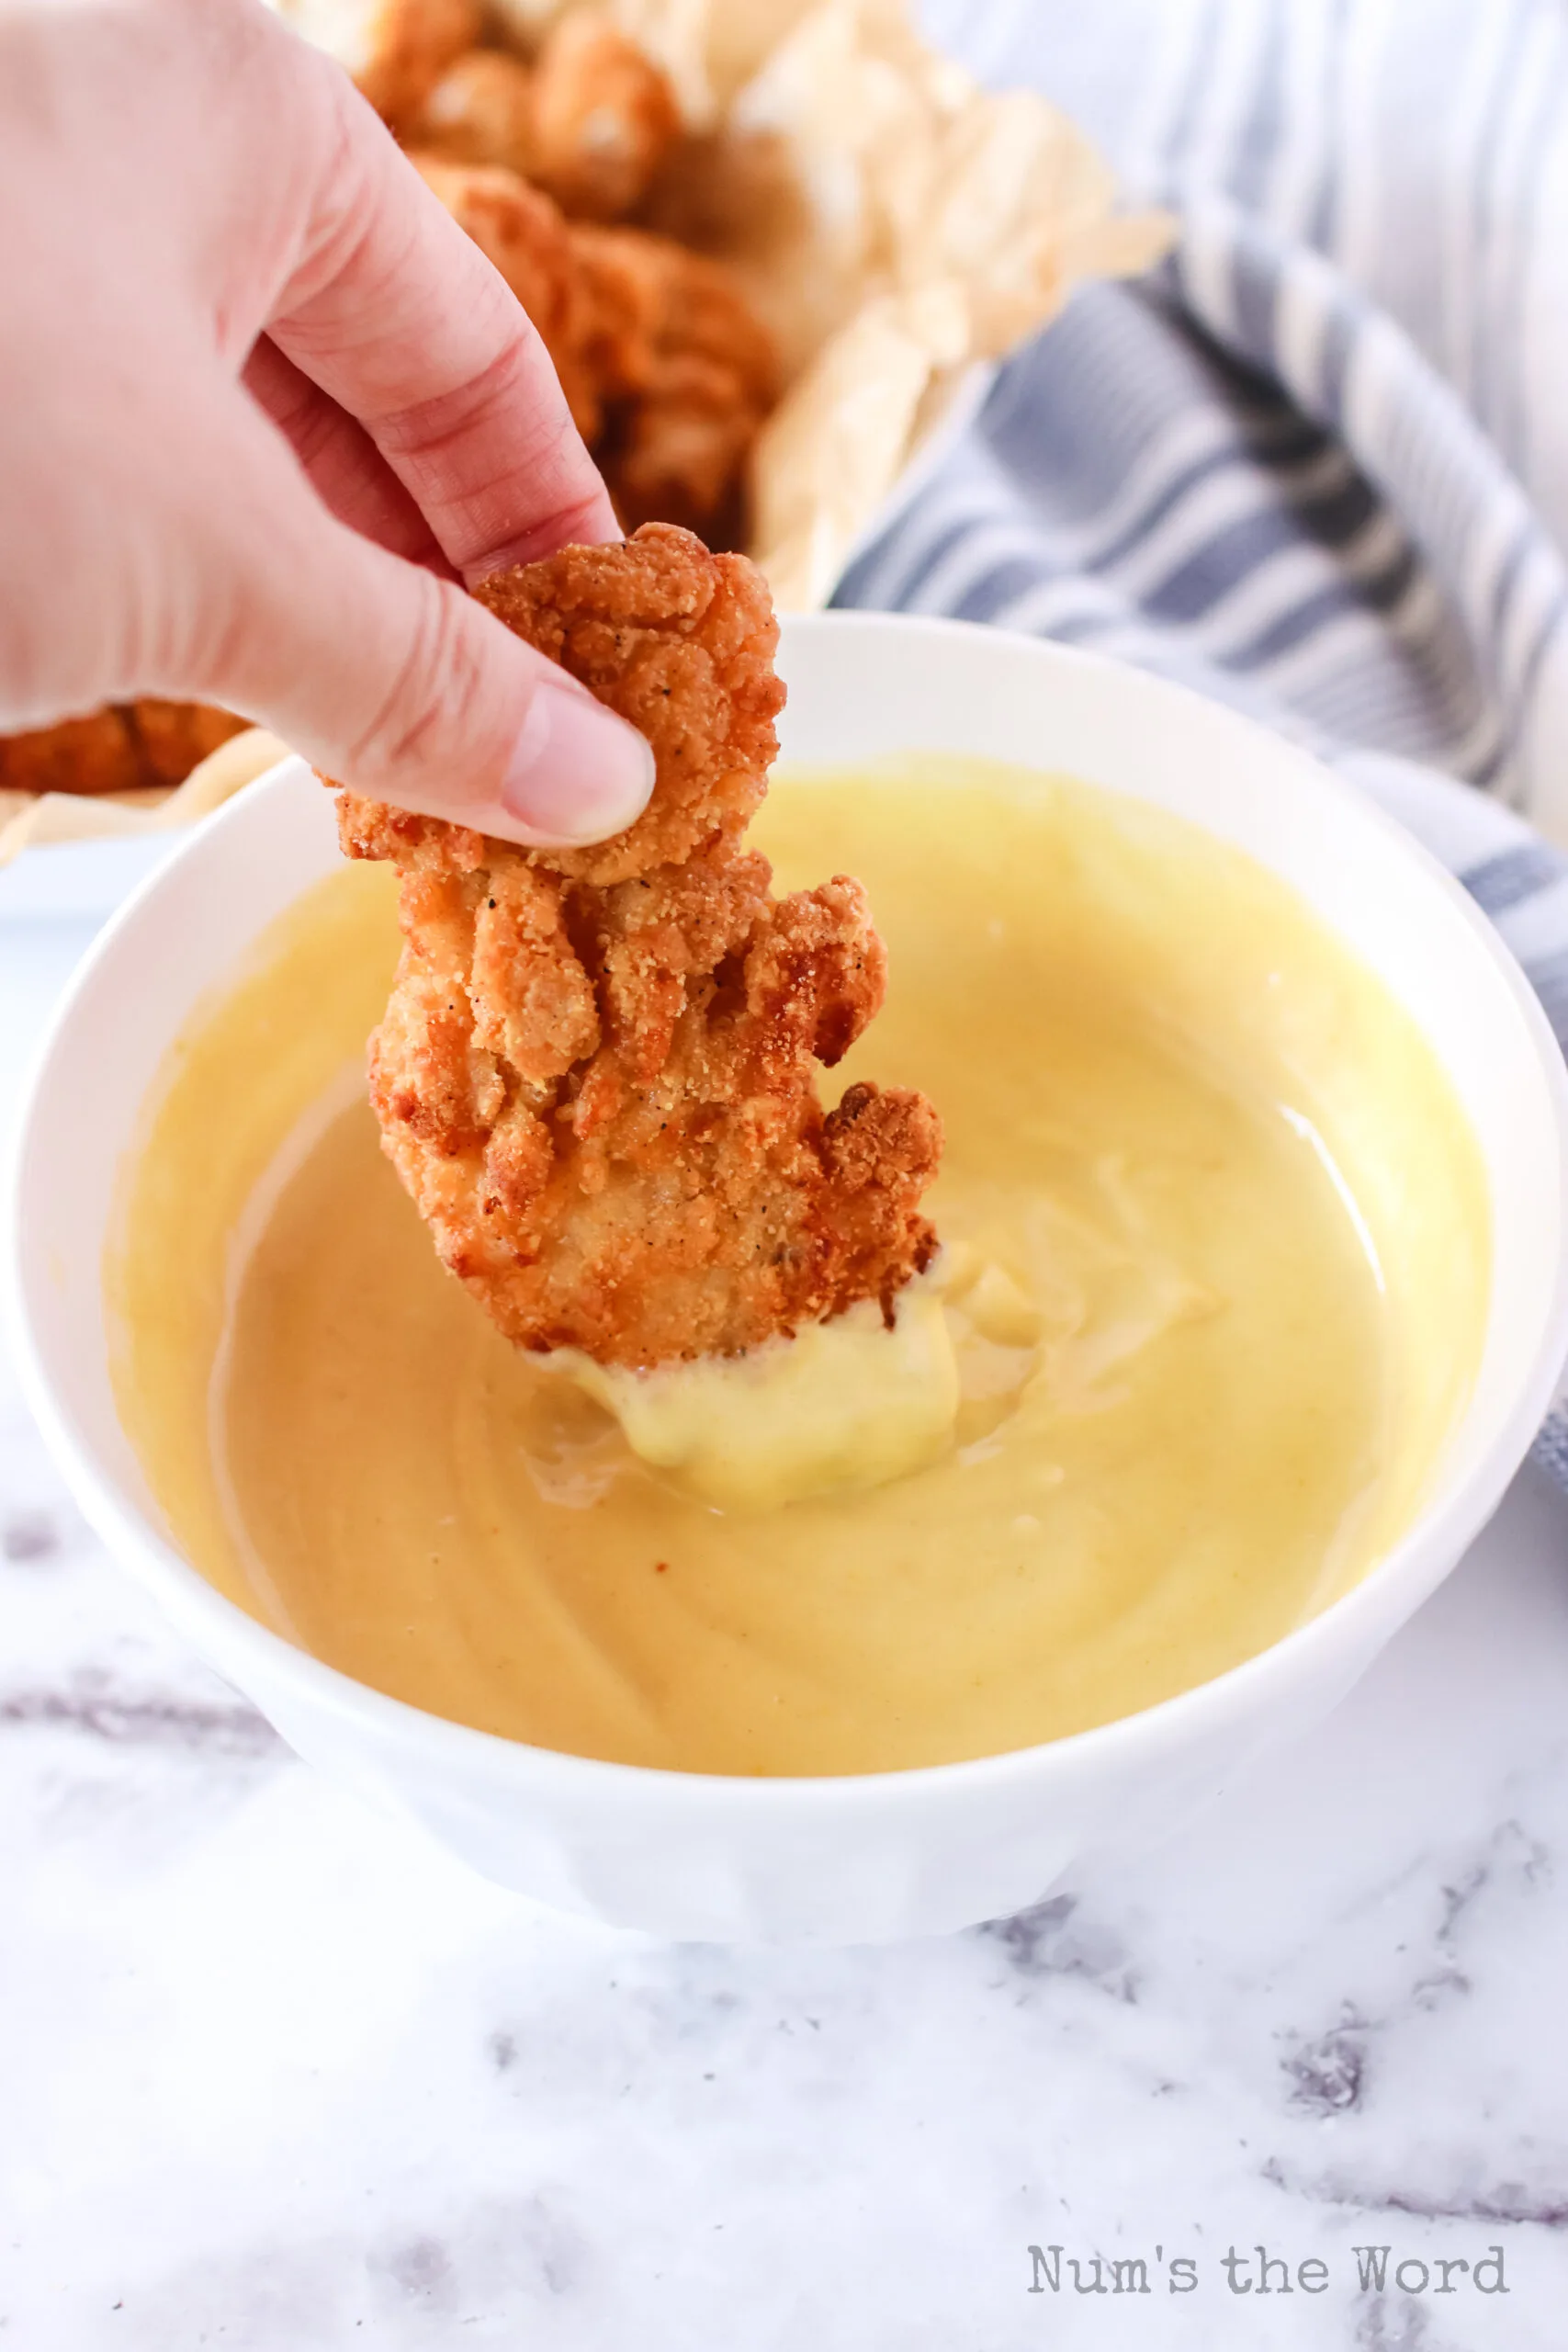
column 394, row 312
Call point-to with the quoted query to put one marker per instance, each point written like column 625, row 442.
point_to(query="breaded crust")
column 685, row 375
column 605, row 119
column 682, row 643
column 596, row 1072
column 122, row 748
column 176, row 737
column 481, row 111
column 590, row 120
column 523, row 235
column 97, row 753
column 666, row 370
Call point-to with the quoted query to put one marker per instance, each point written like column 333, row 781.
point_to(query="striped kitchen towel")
column 1248, row 473
column 1243, row 475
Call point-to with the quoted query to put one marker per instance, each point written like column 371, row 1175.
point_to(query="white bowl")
column 888, row 1854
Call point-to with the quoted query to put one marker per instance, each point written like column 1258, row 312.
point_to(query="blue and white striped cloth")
column 1318, row 465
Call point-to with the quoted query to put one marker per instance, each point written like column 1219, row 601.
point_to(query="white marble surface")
column 275, row 2079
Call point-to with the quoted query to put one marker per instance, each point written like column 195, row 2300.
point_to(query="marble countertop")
column 274, row 2078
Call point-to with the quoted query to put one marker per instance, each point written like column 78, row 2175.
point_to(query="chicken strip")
column 480, row 111
column 519, row 229
column 95, row 753
column 605, row 119
column 589, row 121
column 595, row 1075
column 175, row 737
column 666, row 372
column 122, row 748
column 685, row 373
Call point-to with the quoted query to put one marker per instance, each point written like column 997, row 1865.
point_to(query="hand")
column 262, row 405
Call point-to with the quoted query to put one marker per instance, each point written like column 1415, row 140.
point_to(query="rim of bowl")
column 1447, row 1526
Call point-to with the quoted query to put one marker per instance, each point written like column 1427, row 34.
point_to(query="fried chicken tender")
column 95, row 753
column 175, row 737
column 118, row 748
column 596, row 1073
column 685, row 375
column 605, row 119
column 523, row 234
column 666, row 372
column 395, row 50
column 589, row 121
column 480, row 111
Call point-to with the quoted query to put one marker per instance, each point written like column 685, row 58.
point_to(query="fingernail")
column 578, row 773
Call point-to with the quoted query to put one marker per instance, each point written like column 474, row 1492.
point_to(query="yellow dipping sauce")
column 1213, row 1286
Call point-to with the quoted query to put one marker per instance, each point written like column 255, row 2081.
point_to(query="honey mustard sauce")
column 1211, row 1291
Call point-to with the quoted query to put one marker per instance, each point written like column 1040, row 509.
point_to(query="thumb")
column 390, row 680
